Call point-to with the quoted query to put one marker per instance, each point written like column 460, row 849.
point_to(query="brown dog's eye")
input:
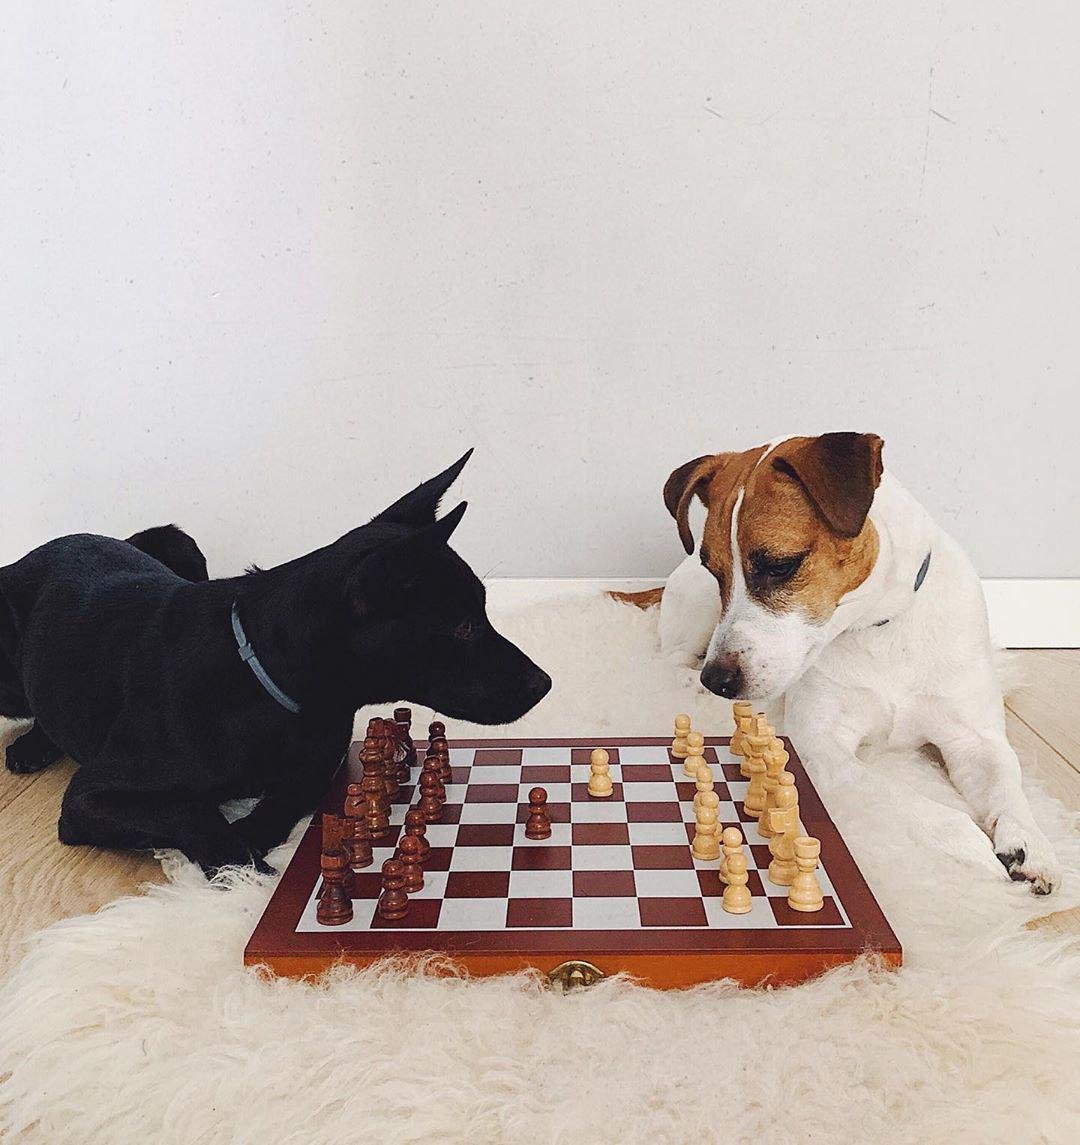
column 774, row 569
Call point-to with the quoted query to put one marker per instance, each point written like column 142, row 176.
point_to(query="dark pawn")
column 409, row 854
column 436, row 730
column 393, row 902
column 538, row 825
column 416, row 828
column 431, row 767
column 430, row 807
column 335, row 907
column 357, row 832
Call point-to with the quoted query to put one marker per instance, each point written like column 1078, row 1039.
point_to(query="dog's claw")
column 1026, row 855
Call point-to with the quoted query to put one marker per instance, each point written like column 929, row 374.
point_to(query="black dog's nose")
column 723, row 676
column 539, row 685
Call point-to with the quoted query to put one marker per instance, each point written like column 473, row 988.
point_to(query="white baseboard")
column 1023, row 613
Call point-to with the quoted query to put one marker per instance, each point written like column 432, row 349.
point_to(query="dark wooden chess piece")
column 335, row 907
column 403, row 722
column 386, row 744
column 357, row 831
column 417, row 829
column 393, row 902
column 409, row 854
column 374, row 790
column 431, row 767
column 436, row 730
column 538, row 824
column 430, row 806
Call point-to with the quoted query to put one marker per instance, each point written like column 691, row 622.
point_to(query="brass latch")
column 574, row 974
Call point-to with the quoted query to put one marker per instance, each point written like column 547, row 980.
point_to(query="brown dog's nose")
column 723, row 676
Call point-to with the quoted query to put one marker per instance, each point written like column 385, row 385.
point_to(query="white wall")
column 265, row 265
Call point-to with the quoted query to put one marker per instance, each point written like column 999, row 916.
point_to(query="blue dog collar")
column 920, row 576
column 247, row 654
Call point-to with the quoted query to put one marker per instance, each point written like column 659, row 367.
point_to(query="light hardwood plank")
column 1040, row 760
column 1050, row 702
column 41, row 880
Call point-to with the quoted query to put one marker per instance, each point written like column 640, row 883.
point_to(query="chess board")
column 615, row 885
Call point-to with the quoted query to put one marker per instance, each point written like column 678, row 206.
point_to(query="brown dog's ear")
column 840, row 472
column 680, row 487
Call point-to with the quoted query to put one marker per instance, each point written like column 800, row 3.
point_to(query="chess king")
column 819, row 579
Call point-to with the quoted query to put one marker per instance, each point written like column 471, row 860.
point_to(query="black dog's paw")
column 31, row 753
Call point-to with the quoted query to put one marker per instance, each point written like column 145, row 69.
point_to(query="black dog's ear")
column 418, row 508
column 394, row 569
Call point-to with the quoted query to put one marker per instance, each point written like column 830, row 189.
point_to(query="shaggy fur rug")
column 139, row 1023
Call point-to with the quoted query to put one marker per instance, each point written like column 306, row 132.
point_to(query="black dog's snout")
column 723, row 676
column 539, row 685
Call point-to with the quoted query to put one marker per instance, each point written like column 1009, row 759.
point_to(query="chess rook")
column 805, row 893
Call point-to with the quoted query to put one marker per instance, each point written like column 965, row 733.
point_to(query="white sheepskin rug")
column 139, row 1023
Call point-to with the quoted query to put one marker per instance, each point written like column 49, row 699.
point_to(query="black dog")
column 175, row 693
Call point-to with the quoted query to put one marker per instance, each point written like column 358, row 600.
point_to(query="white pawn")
column 705, row 845
column 600, row 786
column 682, row 730
column 737, row 899
column 705, row 782
column 695, row 748
column 732, row 840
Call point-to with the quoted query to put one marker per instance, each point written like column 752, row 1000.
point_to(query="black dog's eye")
column 466, row 630
column 774, row 569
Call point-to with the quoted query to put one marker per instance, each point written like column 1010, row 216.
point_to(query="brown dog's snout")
column 723, row 676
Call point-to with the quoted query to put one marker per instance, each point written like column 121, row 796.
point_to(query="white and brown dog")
column 819, row 578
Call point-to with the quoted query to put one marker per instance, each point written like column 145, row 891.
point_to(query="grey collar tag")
column 920, row 576
column 247, row 654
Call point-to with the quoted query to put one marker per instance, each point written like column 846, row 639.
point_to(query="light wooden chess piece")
column 737, row 898
column 775, row 761
column 805, row 893
column 705, row 844
column 705, row 782
column 784, row 820
column 695, row 754
column 740, row 710
column 757, row 743
column 600, row 785
column 679, row 747
column 744, row 714
column 732, row 840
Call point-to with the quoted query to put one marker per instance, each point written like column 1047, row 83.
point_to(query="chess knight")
column 817, row 578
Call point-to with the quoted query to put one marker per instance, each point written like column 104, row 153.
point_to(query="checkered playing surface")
column 621, row 863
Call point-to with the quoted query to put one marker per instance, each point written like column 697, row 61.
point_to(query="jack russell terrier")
column 819, row 578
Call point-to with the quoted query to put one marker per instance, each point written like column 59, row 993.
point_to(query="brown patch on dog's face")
column 792, row 559
column 804, row 539
column 715, row 480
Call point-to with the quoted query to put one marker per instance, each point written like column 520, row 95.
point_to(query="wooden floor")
column 42, row 881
